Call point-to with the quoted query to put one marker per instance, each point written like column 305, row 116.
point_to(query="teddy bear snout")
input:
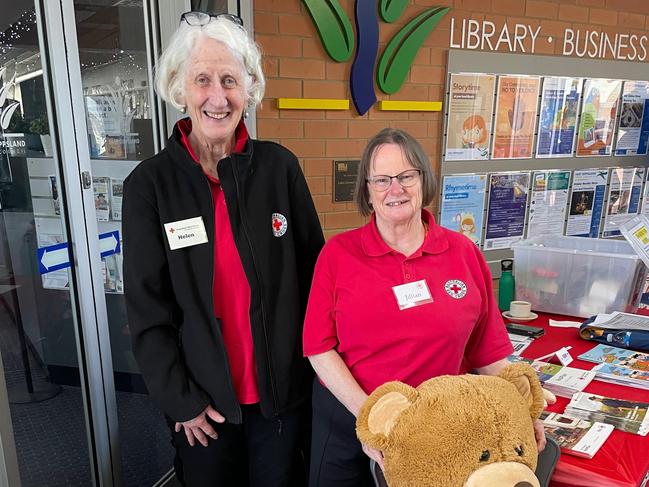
column 503, row 474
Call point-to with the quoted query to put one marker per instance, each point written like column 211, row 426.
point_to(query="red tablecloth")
column 624, row 459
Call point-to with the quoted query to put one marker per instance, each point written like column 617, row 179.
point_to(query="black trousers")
column 337, row 458
column 257, row 452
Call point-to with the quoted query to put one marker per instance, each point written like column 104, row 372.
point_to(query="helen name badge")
column 412, row 294
column 185, row 233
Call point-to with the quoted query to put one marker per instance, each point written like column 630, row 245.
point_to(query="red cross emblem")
column 279, row 224
column 171, row 230
column 455, row 288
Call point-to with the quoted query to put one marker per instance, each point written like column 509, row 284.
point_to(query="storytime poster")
column 515, row 116
column 586, row 202
column 558, row 117
column 633, row 131
column 506, row 210
column 548, row 203
column 598, row 117
column 471, row 101
column 623, row 198
column 463, row 204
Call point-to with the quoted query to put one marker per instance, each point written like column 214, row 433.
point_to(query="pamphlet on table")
column 629, row 416
column 575, row 436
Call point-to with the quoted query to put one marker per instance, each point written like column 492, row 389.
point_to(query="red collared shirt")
column 353, row 309
column 231, row 290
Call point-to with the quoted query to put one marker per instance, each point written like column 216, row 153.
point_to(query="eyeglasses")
column 406, row 179
column 198, row 19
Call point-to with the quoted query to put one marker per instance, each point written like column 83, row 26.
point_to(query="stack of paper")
column 629, row 416
column 519, row 342
column 575, row 436
column 562, row 381
column 620, row 366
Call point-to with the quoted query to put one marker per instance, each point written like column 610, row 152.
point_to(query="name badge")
column 185, row 233
column 412, row 294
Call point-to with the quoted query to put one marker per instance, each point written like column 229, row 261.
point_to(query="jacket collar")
column 374, row 246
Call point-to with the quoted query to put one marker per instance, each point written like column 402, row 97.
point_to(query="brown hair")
column 414, row 154
column 473, row 121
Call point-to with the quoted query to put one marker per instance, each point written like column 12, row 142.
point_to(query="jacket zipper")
column 261, row 291
column 209, row 189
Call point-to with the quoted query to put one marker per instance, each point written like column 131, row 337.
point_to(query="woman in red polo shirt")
column 400, row 298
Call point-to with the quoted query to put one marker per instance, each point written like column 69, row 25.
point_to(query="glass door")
column 40, row 341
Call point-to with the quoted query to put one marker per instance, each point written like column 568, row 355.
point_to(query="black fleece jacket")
column 177, row 339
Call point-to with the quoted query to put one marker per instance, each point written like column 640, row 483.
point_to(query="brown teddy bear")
column 454, row 431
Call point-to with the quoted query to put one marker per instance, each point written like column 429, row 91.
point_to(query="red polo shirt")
column 231, row 290
column 353, row 309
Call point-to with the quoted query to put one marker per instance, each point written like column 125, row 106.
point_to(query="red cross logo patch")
column 279, row 224
column 455, row 288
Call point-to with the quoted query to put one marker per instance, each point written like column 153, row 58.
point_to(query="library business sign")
column 393, row 64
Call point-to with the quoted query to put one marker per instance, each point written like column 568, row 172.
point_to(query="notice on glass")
column 116, row 194
column 463, row 204
column 586, row 202
column 468, row 130
column 548, row 203
column 515, row 117
column 623, row 198
column 558, row 117
column 508, row 193
column 633, row 132
column 100, row 187
column 598, row 117
column 55, row 279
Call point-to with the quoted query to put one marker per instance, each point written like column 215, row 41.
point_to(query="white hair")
column 170, row 69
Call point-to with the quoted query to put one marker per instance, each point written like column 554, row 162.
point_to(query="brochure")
column 586, row 202
column 102, row 207
column 116, row 192
column 633, row 132
column 576, row 436
column 520, row 343
column 623, row 198
column 471, row 101
column 623, row 375
column 629, row 416
column 54, row 195
column 562, row 381
column 598, row 113
column 548, row 203
column 506, row 209
column 517, row 101
column 558, row 117
column 616, row 356
column 463, row 199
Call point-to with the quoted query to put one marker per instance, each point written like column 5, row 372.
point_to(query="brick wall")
column 297, row 66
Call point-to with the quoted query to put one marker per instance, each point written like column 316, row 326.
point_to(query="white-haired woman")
column 220, row 240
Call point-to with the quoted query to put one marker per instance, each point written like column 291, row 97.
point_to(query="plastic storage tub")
column 578, row 276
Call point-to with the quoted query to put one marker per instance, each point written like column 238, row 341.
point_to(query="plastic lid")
column 506, row 265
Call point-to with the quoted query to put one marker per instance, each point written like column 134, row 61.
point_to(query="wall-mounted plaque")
column 344, row 180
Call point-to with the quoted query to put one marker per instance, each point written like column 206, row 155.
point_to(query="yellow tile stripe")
column 412, row 106
column 312, row 104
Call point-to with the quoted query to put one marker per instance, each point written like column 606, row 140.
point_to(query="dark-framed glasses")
column 407, row 178
column 198, row 19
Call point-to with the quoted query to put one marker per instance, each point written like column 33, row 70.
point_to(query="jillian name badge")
column 412, row 294
column 185, row 233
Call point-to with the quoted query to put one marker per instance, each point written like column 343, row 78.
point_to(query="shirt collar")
column 374, row 245
column 185, row 128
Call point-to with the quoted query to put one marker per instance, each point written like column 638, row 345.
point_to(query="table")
column 623, row 460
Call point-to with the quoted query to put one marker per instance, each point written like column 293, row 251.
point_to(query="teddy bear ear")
column 380, row 412
column 524, row 378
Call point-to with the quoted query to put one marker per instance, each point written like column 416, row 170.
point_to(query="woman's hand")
column 199, row 428
column 374, row 454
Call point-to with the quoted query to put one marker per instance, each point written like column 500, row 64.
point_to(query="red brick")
column 427, row 74
column 283, row 88
column 602, row 16
column 326, row 89
column 274, row 45
column 592, row 3
column 633, row 21
column 344, row 148
column 265, row 23
column 508, row 7
column 573, row 13
column 347, row 219
column 280, row 129
column 318, row 167
column 316, row 185
column 279, row 6
column 306, row 148
column 301, row 68
column 637, row 6
column 267, row 109
column 473, row 5
column 364, row 129
column 336, row 70
column 544, row 10
column 270, row 66
column 297, row 25
column 324, row 129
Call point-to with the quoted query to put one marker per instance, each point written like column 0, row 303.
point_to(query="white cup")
column 520, row 309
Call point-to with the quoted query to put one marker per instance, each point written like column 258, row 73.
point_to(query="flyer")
column 586, row 202
column 59, row 279
column 517, row 100
column 558, row 117
column 623, row 198
column 116, row 192
column 645, row 199
column 54, row 195
column 508, row 193
column 633, row 132
column 468, row 130
column 100, row 187
column 463, row 198
column 548, row 203
column 598, row 114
